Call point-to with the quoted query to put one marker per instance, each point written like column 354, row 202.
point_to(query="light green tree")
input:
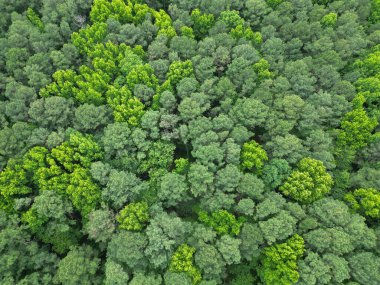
column 309, row 182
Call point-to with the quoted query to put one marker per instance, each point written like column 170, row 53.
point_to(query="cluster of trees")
column 187, row 142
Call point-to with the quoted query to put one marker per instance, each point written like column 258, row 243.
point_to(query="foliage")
column 47, row 219
column 182, row 261
column 279, row 265
column 189, row 142
column 69, row 271
column 34, row 19
column 179, row 70
column 365, row 201
column 253, row 156
column 202, row 23
column 63, row 170
column 375, row 11
column 133, row 216
column 329, row 20
column 309, row 182
column 100, row 225
column 222, row 222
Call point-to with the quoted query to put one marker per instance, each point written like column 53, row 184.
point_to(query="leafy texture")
column 188, row 142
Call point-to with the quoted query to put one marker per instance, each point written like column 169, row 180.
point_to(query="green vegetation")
column 190, row 142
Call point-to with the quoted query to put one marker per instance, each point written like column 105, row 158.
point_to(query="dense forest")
column 190, row 142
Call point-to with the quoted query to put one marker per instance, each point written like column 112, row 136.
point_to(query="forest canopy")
column 190, row 142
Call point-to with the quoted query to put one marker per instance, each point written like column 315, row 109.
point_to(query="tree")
column 288, row 147
column 78, row 149
column 249, row 112
column 181, row 165
column 299, row 76
column 365, row 178
column 253, row 156
column 48, row 219
column 320, row 145
column 49, row 112
column 262, row 69
column 79, row 265
column 364, row 266
column 309, row 182
column 331, row 206
column 251, row 239
column 165, row 233
column 375, row 12
column 148, row 279
column 227, row 179
column 251, row 186
column 83, row 192
column 22, row 259
column 35, row 19
column 208, row 152
column 231, row 19
column 182, row 261
column 278, row 227
column 279, row 263
column 222, row 222
column 229, row 249
column 100, row 225
column 323, row 269
column 210, row 262
column 274, row 3
column 13, row 183
column 270, row 204
column 246, row 207
column 173, row 189
column 200, row 179
column 14, row 141
column 184, row 46
column 365, row 201
column 179, row 70
column 115, row 140
column 357, row 128
column 115, row 274
column 241, row 72
column 329, row 20
column 202, row 23
column 91, row 118
column 14, row 178
column 193, row 106
column 100, row 172
column 329, row 240
column 159, row 157
column 275, row 172
column 121, row 187
column 133, row 216
column 101, row 10
column 204, row 68
column 127, row 250
column 172, row 278
column 19, row 99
